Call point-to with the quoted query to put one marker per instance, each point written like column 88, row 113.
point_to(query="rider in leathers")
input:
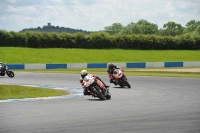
column 83, row 78
column 111, row 68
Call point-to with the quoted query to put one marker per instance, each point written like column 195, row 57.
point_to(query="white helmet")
column 84, row 73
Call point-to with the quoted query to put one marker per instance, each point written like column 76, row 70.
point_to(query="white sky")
column 94, row 15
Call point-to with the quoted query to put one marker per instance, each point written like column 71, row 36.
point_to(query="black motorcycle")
column 4, row 70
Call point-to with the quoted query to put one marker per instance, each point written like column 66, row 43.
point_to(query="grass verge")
column 17, row 55
column 19, row 92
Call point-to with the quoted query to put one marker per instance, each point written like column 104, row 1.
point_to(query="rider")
column 111, row 68
column 83, row 77
column 2, row 64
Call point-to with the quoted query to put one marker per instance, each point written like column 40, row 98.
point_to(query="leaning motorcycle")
column 4, row 70
column 120, row 78
column 96, row 88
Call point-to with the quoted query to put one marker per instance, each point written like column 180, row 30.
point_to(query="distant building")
column 49, row 24
column 51, row 28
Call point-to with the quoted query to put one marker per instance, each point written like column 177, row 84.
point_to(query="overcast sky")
column 94, row 15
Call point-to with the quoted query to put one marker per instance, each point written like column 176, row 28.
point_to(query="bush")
column 98, row 40
column 186, row 42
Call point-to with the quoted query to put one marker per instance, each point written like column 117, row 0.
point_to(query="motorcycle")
column 120, row 79
column 4, row 70
column 96, row 88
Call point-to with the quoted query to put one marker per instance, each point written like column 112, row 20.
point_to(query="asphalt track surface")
column 152, row 105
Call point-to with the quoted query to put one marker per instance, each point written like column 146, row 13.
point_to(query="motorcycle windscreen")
column 116, row 71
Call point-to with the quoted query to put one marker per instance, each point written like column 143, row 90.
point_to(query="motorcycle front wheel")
column 98, row 93
column 10, row 74
column 108, row 95
column 126, row 82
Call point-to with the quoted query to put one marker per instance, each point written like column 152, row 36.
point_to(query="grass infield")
column 19, row 92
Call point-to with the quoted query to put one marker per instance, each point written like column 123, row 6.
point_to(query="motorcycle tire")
column 126, row 83
column 10, row 74
column 108, row 95
column 98, row 93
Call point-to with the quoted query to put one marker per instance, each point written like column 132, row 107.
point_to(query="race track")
column 152, row 105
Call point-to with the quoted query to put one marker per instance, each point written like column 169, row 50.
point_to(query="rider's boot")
column 86, row 92
column 112, row 81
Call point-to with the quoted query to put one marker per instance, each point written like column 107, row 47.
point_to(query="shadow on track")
column 98, row 100
column 118, row 87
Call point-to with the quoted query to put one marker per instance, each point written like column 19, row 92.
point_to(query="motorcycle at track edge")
column 120, row 79
column 4, row 70
column 97, row 88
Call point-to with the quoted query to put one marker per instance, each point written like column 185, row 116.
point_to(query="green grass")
column 14, row 55
column 19, row 92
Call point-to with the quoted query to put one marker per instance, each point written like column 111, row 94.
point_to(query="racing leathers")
column 110, row 73
column 86, row 91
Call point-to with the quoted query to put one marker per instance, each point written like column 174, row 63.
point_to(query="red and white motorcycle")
column 120, row 79
column 96, row 88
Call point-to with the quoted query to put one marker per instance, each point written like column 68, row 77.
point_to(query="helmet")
column 84, row 73
column 110, row 65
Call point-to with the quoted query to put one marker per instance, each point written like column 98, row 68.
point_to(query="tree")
column 131, row 28
column 114, row 28
column 141, row 27
column 172, row 29
column 191, row 26
column 147, row 27
column 196, row 31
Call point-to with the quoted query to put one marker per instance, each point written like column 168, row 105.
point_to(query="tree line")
column 145, row 27
column 140, row 27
